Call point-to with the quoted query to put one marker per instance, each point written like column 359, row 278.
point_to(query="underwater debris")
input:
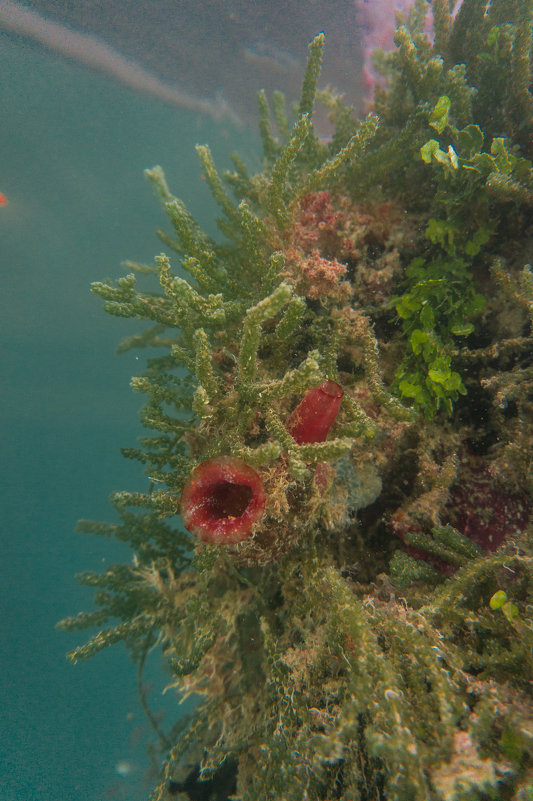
column 351, row 645
column 219, row 788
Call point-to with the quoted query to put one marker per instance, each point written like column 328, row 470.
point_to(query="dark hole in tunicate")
column 229, row 500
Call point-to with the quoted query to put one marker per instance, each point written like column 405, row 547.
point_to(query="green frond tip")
column 417, row 16
column 291, row 319
column 271, row 274
column 323, row 451
column 361, row 424
column 270, row 145
column 190, row 307
column 214, row 182
column 314, row 64
column 95, row 527
column 156, row 176
column 375, row 381
column 201, row 404
column 255, row 316
column 191, row 238
column 279, row 108
column 298, row 380
column 251, row 233
column 508, row 189
column 145, row 269
column 125, row 290
column 149, row 338
column 131, row 629
column 442, row 23
column 278, row 430
column 445, row 542
column 258, row 457
column 352, row 150
column 83, row 620
column 522, row 62
column 453, row 539
column 404, row 570
column 204, row 367
column 278, row 196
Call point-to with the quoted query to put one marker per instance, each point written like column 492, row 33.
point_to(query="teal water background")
column 72, row 149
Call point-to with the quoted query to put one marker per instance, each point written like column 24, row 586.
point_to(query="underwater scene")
column 302, row 535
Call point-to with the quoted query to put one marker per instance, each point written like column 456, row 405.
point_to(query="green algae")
column 351, row 647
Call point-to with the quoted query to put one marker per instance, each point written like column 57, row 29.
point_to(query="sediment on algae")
column 366, row 633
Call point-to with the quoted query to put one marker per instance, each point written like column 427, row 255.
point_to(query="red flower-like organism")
column 314, row 416
column 221, row 500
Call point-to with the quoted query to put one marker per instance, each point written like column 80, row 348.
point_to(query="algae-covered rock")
column 341, row 413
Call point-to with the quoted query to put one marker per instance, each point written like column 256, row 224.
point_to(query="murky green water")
column 72, row 150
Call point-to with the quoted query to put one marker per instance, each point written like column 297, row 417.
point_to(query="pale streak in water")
column 92, row 51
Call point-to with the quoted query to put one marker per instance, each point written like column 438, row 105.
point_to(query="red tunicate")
column 314, row 416
column 221, row 500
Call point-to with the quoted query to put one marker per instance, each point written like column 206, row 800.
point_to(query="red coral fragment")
column 221, row 500
column 314, row 416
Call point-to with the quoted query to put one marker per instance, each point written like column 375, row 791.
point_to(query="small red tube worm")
column 221, row 500
column 314, row 416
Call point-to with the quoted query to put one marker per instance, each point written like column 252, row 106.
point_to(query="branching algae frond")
column 342, row 414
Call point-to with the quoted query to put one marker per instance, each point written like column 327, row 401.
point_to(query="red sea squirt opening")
column 314, row 416
column 221, row 500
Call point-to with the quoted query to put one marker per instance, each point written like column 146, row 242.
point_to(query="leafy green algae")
column 351, row 647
